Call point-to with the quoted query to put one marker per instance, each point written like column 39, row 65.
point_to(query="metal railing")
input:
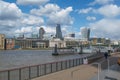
column 29, row 72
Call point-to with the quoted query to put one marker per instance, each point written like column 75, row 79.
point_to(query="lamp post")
column 81, row 48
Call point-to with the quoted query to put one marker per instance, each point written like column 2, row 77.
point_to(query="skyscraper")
column 41, row 33
column 58, row 32
column 85, row 33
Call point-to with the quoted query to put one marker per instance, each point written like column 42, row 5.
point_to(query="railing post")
column 73, row 63
column 45, row 68
column 51, row 67
column 29, row 72
column 56, row 66
column 66, row 64
column 20, row 74
column 8, row 75
column 69, row 64
column 61, row 65
column 37, row 70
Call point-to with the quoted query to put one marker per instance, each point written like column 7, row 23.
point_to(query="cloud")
column 48, row 29
column 101, row 2
column 24, row 30
column 109, row 10
column 9, row 11
column 54, row 14
column 45, row 10
column 91, row 18
column 31, row 2
column 85, row 11
column 108, row 28
column 31, row 20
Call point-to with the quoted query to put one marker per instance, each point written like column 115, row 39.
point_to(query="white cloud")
column 101, row 2
column 49, row 29
column 32, row 20
column 54, row 14
column 46, row 10
column 31, row 2
column 61, row 17
column 85, row 11
column 9, row 11
column 106, row 28
column 24, row 30
column 109, row 10
column 91, row 18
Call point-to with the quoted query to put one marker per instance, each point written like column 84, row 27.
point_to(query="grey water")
column 10, row 59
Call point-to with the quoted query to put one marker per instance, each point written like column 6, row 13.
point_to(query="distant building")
column 58, row 42
column 71, row 35
column 85, row 33
column 103, row 41
column 58, row 32
column 2, row 41
column 41, row 33
column 31, row 43
column 10, row 43
column 34, row 35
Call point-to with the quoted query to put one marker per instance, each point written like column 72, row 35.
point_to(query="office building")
column 10, row 43
column 85, row 33
column 31, row 43
column 41, row 33
column 71, row 35
column 2, row 41
column 58, row 32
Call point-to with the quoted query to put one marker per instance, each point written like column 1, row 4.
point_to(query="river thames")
column 10, row 59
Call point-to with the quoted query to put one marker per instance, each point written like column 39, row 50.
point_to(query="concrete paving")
column 88, row 72
column 82, row 72
column 112, row 74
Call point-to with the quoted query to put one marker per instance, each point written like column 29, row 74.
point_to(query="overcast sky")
column 27, row 16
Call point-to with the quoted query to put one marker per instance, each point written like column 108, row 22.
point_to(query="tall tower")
column 58, row 32
column 41, row 33
column 85, row 33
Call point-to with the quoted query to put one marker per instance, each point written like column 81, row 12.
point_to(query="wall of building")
column 60, row 43
column 31, row 43
column 2, row 41
column 10, row 43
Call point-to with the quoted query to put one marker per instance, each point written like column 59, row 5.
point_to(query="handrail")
column 35, row 65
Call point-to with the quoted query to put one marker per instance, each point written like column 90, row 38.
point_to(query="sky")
column 27, row 16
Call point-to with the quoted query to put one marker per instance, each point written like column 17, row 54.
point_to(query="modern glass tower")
column 41, row 33
column 85, row 33
column 58, row 32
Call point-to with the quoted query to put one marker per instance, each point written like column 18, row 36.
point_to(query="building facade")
column 58, row 32
column 102, row 41
column 2, row 41
column 60, row 43
column 10, row 43
column 41, row 33
column 31, row 43
column 85, row 33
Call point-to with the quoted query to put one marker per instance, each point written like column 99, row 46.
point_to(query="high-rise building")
column 58, row 32
column 2, row 41
column 85, row 33
column 71, row 35
column 41, row 33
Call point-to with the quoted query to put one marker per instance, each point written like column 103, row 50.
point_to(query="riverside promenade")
column 85, row 72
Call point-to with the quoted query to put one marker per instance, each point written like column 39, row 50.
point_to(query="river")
column 10, row 59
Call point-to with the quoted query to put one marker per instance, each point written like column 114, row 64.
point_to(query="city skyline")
column 27, row 16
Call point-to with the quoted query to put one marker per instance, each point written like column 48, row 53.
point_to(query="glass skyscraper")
column 41, row 33
column 58, row 32
column 85, row 33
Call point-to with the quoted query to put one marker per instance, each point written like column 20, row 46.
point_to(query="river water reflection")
column 18, row 58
